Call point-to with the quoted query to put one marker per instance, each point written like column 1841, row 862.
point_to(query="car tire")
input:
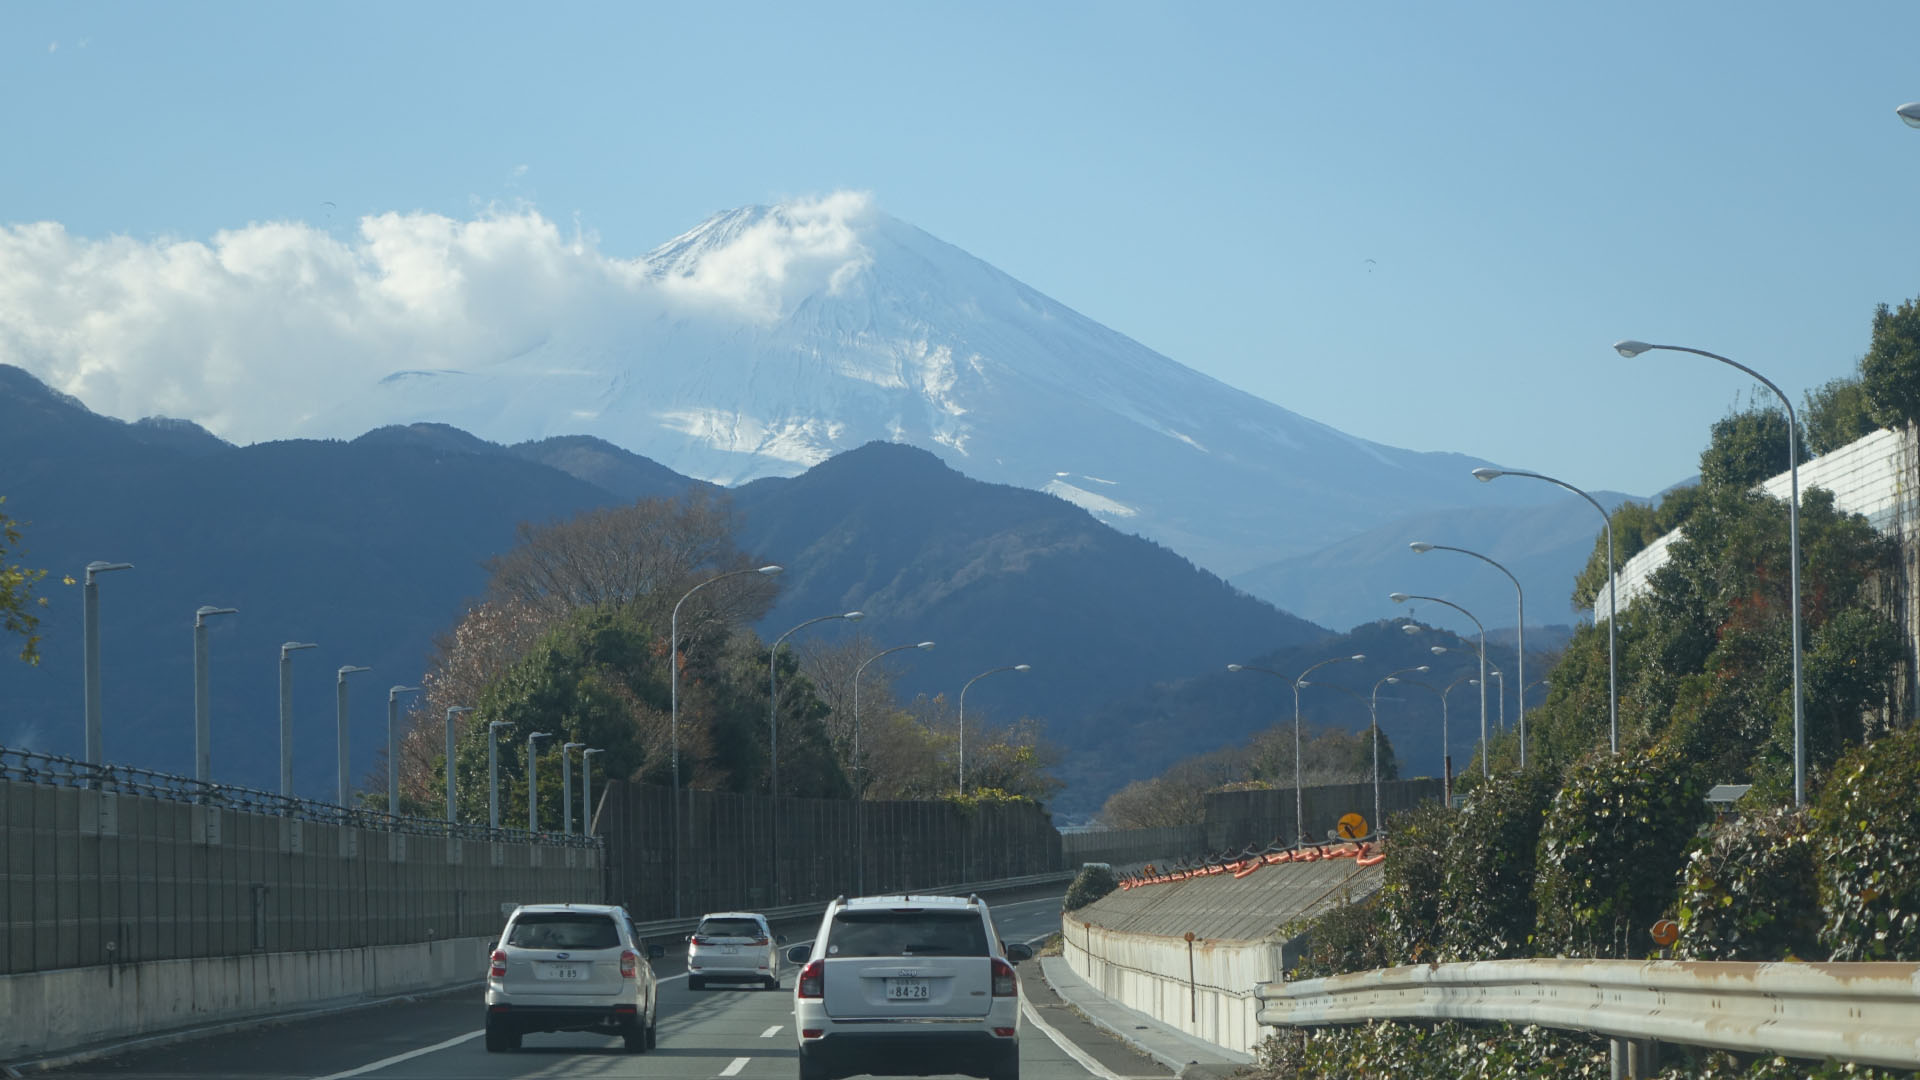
column 653, row 1031
column 634, row 1036
column 1009, row 1067
column 500, row 1039
column 812, row 1068
column 773, row 982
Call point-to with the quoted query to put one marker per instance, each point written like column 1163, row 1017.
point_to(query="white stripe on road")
column 734, row 1068
column 770, row 1032
column 1079, row 1056
column 398, row 1058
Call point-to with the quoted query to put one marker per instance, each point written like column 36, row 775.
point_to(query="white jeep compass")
column 907, row 985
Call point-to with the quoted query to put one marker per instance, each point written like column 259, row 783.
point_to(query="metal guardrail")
column 814, row 907
column 1867, row 1013
column 26, row 766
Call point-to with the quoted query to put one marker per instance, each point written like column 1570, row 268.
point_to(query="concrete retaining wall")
column 48, row 1012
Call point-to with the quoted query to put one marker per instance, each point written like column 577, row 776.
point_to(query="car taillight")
column 813, row 980
column 629, row 964
column 1004, row 984
column 499, row 968
column 760, row 941
column 698, row 940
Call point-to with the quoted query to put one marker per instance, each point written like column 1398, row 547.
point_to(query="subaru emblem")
column 560, row 956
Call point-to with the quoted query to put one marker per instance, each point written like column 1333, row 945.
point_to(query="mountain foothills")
column 376, row 547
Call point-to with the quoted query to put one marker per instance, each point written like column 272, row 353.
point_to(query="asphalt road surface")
column 721, row 1033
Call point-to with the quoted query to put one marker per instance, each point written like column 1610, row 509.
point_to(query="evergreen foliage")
column 1094, row 881
column 1836, row 413
column 1890, row 370
column 1870, row 869
column 1486, row 888
column 1750, row 890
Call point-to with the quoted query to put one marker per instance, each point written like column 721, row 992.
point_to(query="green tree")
column 1749, row 890
column 1747, row 447
column 1890, row 370
column 1870, row 870
column 1836, row 413
column 17, row 602
column 1486, row 888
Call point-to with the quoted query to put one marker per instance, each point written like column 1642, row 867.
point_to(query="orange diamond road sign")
column 1352, row 827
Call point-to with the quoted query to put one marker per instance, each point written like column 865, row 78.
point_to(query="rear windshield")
column 564, row 930
column 746, row 928
column 907, row 933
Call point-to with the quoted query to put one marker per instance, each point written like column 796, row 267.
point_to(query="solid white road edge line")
column 733, row 1068
column 398, row 1058
column 1079, row 1056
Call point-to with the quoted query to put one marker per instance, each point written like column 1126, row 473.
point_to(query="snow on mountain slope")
column 770, row 338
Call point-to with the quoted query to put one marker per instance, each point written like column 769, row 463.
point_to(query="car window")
column 564, row 930
column 907, row 933
column 746, row 928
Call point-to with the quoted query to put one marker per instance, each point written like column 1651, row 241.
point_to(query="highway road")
column 722, row 1033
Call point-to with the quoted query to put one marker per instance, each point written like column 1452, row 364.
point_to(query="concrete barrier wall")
column 1133, row 847
column 47, row 1012
column 1213, row 999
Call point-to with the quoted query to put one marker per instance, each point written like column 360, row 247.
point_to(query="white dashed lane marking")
column 734, row 1068
column 770, row 1032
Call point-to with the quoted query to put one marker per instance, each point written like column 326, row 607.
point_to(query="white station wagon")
column 908, row 985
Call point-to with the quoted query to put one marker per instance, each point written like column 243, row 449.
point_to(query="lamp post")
column 1632, row 349
column 1299, row 800
column 586, row 789
column 393, row 747
column 1401, row 598
column 533, row 781
column 860, row 774
column 1372, row 703
column 1910, row 113
column 493, row 771
column 1486, row 476
column 773, row 696
column 1520, row 631
column 286, row 712
column 566, row 785
column 673, row 687
column 452, row 711
column 1446, row 755
column 340, row 723
column 90, row 643
column 202, row 705
column 963, row 715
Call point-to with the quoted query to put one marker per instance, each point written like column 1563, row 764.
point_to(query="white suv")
column 571, row 967
column 908, row 985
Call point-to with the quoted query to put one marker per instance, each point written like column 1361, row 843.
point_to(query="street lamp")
column 673, row 686
column 1299, row 800
column 1486, row 476
column 566, row 785
column 1910, row 112
column 533, row 781
column 773, row 696
column 1635, row 348
column 202, row 705
column 452, row 711
column 340, row 723
column 1446, row 755
column 393, row 747
column 860, row 774
column 1520, row 632
column 286, row 712
column 1372, row 703
column 586, row 789
column 963, row 715
column 90, row 643
column 493, row 770
column 1401, row 598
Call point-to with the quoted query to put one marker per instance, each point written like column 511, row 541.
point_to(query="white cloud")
column 260, row 327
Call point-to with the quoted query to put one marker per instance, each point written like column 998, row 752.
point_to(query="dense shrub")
column 1486, row 892
column 1750, row 890
column 1441, row 1051
column 1409, row 900
column 1348, row 937
column 1870, row 876
column 1611, row 849
column 1094, row 881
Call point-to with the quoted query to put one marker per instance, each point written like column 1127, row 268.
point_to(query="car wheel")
column 653, row 1031
column 1009, row 1067
column 812, row 1068
column 773, row 982
column 500, row 1039
column 635, row 1038
column 695, row 982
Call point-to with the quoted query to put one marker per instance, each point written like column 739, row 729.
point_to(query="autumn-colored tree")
column 17, row 602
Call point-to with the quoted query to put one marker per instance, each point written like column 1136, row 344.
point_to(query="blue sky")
column 1531, row 181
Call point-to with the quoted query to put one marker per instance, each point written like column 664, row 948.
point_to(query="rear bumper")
column 579, row 1017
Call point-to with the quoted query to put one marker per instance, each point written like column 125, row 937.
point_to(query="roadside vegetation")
column 1580, row 854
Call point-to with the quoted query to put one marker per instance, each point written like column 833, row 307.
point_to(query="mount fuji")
column 769, row 339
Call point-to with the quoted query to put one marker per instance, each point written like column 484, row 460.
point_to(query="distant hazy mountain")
column 901, row 337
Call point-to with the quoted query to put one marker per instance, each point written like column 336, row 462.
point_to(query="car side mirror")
column 779, row 939
column 492, row 945
column 690, row 937
column 799, row 954
column 1018, row 952
column 656, row 952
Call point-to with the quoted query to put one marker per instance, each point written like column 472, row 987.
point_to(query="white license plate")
column 908, row 990
column 561, row 971
column 729, row 950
